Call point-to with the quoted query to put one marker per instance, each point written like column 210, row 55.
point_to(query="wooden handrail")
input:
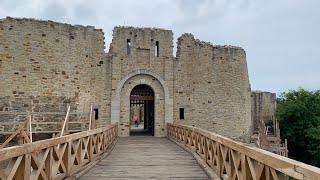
column 44, row 160
column 234, row 160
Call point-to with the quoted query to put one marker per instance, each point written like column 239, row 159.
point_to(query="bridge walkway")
column 146, row 157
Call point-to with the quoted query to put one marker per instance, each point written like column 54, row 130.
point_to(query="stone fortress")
column 44, row 65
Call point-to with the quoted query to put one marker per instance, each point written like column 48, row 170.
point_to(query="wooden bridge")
column 99, row 153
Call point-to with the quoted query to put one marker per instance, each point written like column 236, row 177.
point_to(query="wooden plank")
column 146, row 158
column 29, row 126
column 28, row 122
column 91, row 116
column 93, row 123
column 48, row 164
column 27, row 166
column 67, row 158
column 65, row 121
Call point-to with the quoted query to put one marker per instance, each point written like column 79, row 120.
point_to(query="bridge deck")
column 146, row 158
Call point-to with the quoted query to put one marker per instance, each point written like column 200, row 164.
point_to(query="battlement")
column 49, row 23
column 132, row 28
column 188, row 39
column 132, row 40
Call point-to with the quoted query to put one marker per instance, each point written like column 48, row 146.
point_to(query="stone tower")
column 44, row 64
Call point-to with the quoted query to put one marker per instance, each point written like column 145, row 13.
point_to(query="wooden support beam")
column 29, row 126
column 93, row 120
column 90, row 118
column 12, row 136
column 65, row 121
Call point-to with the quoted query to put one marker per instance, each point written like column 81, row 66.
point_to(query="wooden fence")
column 234, row 160
column 81, row 122
column 56, row 158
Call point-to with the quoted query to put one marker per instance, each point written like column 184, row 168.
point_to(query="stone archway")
column 120, row 103
column 142, row 111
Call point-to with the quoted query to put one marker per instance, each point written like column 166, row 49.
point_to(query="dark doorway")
column 142, row 111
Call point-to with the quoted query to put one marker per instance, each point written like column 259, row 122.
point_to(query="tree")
column 298, row 112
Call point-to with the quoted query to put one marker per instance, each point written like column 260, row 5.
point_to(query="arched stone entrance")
column 142, row 111
column 120, row 102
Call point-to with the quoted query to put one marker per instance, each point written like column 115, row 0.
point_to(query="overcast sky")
column 281, row 37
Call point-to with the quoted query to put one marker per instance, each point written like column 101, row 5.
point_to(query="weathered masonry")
column 44, row 65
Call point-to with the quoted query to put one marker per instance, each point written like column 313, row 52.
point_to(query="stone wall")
column 142, row 53
column 133, row 55
column 263, row 105
column 44, row 65
column 211, row 84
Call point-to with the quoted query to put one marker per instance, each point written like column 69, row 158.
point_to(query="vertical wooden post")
column 90, row 118
column 90, row 148
column 67, row 159
column 24, row 169
column 246, row 174
column 93, row 120
column 286, row 147
column 27, row 122
column 48, row 165
column 21, row 140
column 65, row 121
column 82, row 123
column 27, row 166
column 206, row 147
column 29, row 126
column 185, row 135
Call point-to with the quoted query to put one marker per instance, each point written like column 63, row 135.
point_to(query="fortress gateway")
column 44, row 65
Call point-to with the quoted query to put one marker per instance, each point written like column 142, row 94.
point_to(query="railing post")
column 24, row 169
column 90, row 117
column 206, row 147
column 245, row 168
column 48, row 165
column 185, row 136
column 67, row 158
column 27, row 166
column 195, row 137
column 90, row 148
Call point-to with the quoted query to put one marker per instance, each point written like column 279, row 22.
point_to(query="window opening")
column 128, row 47
column 96, row 114
column 181, row 110
column 156, row 49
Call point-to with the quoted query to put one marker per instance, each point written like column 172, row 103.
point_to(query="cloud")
column 281, row 37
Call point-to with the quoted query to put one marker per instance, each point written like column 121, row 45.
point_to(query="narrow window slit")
column 156, row 49
column 128, row 47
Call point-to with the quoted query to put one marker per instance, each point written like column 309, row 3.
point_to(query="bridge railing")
column 234, row 160
column 55, row 158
